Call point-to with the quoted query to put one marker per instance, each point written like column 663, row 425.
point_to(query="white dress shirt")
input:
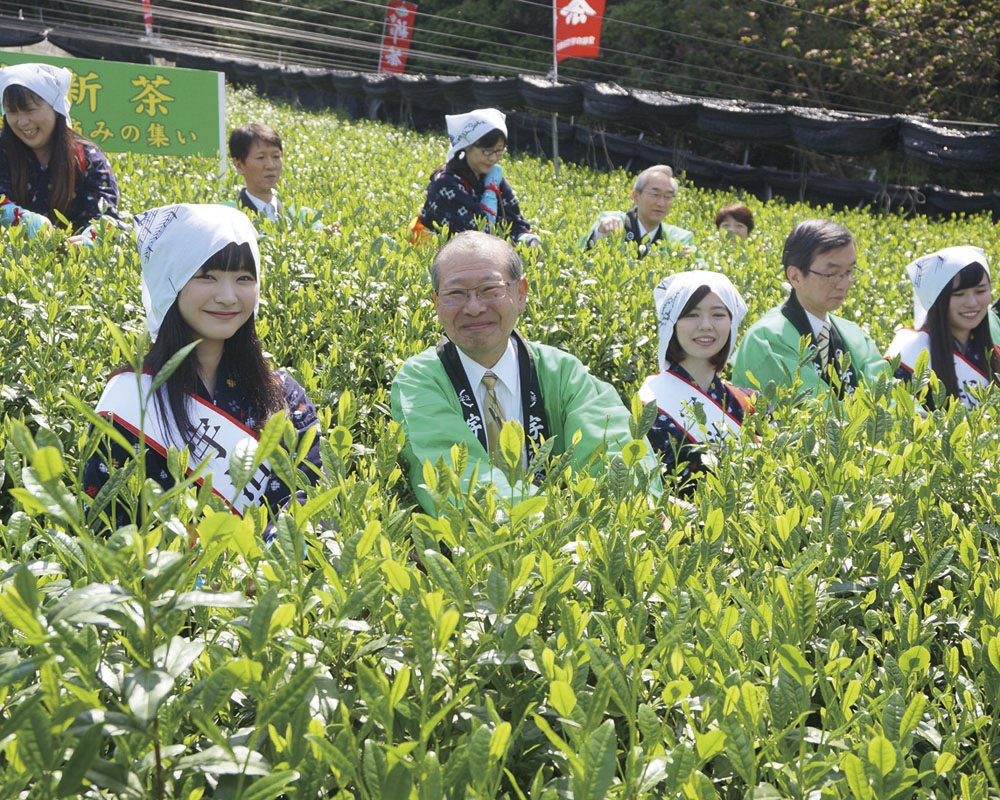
column 508, row 385
column 815, row 322
column 270, row 210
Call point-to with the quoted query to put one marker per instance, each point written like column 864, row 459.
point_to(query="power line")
column 349, row 46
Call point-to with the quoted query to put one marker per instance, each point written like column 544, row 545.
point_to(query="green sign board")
column 142, row 109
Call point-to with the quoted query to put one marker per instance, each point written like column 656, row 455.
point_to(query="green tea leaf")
column 600, row 762
column 562, row 697
column 881, row 755
column 797, row 667
column 85, row 751
column 854, row 771
column 710, row 744
column 145, row 691
column 892, row 715
column 270, row 786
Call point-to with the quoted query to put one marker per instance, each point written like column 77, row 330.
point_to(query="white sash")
column 215, row 437
column 674, row 396
column 909, row 344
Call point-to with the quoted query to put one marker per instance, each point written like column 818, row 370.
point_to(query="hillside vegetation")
column 823, row 621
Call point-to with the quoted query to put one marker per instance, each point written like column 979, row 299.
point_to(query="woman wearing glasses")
column 469, row 191
column 952, row 322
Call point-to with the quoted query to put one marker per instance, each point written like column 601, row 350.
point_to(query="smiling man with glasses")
column 820, row 262
column 652, row 195
column 483, row 373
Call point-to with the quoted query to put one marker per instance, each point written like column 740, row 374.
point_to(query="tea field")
column 821, row 621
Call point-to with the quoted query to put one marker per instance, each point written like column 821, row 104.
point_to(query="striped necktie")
column 823, row 345
column 494, row 414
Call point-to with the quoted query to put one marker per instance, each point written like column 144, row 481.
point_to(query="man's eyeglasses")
column 838, row 277
column 487, row 292
column 658, row 195
column 496, row 151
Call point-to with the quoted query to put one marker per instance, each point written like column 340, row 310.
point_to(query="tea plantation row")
column 821, row 621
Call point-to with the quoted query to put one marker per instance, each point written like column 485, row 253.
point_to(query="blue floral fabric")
column 454, row 202
column 96, row 183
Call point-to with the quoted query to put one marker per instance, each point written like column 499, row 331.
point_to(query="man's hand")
column 609, row 225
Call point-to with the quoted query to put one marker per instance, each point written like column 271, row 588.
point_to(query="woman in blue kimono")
column 469, row 192
column 699, row 313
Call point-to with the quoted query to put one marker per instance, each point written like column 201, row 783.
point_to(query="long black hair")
column 938, row 328
column 66, row 164
column 243, row 355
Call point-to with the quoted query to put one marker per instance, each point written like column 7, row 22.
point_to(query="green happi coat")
column 670, row 234
column 770, row 351
column 426, row 403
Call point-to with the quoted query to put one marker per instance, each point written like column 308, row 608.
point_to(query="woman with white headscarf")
column 46, row 168
column 469, row 191
column 200, row 283
column 952, row 322
column 699, row 313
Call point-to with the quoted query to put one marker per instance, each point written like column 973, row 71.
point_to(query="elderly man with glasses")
column 652, row 194
column 483, row 373
column 820, row 262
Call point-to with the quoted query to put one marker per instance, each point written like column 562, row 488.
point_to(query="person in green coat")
column 653, row 193
column 820, row 262
column 482, row 373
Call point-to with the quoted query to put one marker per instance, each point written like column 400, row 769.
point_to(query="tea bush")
column 822, row 621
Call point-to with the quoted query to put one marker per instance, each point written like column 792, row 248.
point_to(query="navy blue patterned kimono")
column 231, row 399
column 677, row 450
column 454, row 202
column 94, row 182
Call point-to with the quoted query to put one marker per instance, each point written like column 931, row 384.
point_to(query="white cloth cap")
column 466, row 129
column 174, row 241
column 48, row 82
column 932, row 273
column 673, row 293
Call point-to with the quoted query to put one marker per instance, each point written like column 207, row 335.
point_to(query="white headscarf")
column 174, row 241
column 673, row 293
column 932, row 273
column 466, row 129
column 48, row 82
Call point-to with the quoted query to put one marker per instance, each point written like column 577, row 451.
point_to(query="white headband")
column 467, row 129
column 673, row 293
column 174, row 241
column 932, row 273
column 48, row 82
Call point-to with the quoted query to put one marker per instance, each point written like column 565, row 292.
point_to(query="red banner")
column 578, row 28
column 147, row 16
column 399, row 19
